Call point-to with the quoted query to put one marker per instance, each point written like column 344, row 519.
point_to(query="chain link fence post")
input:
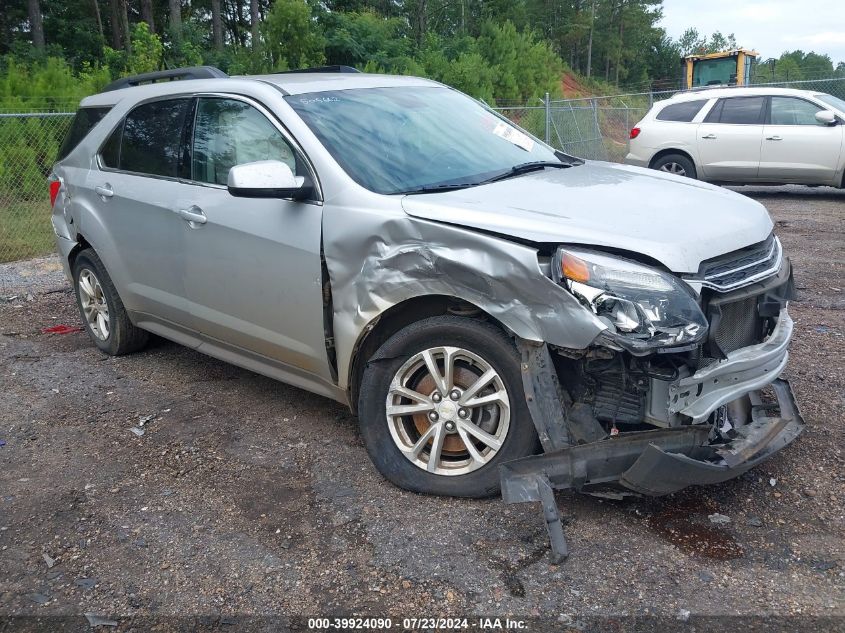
column 548, row 104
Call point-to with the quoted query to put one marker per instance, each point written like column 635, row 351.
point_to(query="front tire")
column 677, row 164
column 101, row 309
column 441, row 406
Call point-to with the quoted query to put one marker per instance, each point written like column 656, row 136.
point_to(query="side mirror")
column 266, row 179
column 826, row 117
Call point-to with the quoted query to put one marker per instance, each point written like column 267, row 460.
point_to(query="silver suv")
column 470, row 293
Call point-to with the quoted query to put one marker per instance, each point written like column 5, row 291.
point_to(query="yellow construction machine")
column 728, row 68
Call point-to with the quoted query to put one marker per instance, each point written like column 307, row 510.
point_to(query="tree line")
column 502, row 49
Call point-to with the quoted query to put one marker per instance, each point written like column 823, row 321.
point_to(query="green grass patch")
column 25, row 229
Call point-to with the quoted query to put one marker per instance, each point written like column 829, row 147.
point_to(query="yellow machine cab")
column 727, row 68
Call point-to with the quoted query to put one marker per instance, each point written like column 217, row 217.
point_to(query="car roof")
column 288, row 83
column 301, row 83
column 716, row 92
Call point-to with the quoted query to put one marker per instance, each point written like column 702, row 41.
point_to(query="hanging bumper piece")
column 654, row 463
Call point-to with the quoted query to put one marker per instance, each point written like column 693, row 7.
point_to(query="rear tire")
column 450, row 409
column 677, row 164
column 101, row 309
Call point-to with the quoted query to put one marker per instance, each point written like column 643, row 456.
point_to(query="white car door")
column 796, row 147
column 729, row 139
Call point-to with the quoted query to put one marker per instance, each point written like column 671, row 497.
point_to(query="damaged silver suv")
column 471, row 293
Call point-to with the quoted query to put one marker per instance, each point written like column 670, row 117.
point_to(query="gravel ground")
column 24, row 280
column 248, row 499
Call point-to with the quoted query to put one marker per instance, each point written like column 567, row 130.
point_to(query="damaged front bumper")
column 651, row 462
column 742, row 371
column 661, row 461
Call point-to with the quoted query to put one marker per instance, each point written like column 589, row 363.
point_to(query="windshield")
column 394, row 140
column 830, row 100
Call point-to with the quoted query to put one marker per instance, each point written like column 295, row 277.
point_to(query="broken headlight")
column 644, row 308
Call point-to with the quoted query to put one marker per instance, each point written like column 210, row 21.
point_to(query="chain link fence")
column 29, row 143
column 591, row 127
column 598, row 127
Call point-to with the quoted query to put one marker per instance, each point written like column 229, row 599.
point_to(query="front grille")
column 741, row 268
column 737, row 326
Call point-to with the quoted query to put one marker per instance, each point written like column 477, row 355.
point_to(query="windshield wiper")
column 439, row 188
column 524, row 168
column 516, row 170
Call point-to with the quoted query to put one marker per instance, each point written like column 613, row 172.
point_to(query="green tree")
column 291, row 36
column 147, row 50
column 361, row 37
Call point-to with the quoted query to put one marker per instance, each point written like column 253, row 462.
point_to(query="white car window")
column 792, row 111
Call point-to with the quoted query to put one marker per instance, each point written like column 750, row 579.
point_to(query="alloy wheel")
column 448, row 410
column 95, row 308
column 674, row 168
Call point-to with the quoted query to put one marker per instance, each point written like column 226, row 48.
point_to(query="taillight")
column 635, row 132
column 55, row 185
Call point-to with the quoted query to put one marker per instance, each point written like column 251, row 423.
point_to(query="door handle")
column 104, row 191
column 193, row 215
column 774, row 138
column 709, row 136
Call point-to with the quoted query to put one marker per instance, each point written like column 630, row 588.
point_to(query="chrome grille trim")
column 761, row 267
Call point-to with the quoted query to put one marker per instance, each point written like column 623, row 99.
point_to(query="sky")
column 770, row 27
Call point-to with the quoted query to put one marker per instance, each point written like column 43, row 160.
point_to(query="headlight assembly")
column 645, row 309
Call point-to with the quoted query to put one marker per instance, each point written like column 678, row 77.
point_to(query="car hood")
column 676, row 221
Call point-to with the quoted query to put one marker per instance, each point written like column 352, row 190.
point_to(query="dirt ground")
column 247, row 502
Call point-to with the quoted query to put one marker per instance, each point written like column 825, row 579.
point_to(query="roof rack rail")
column 337, row 68
column 191, row 72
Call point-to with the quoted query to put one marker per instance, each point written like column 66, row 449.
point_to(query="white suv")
column 745, row 135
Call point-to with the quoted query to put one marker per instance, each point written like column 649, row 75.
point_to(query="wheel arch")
column 81, row 245
column 667, row 152
column 401, row 315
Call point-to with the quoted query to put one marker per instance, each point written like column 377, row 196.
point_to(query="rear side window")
column 151, row 138
column 83, row 122
column 110, row 152
column 738, row 111
column 683, row 112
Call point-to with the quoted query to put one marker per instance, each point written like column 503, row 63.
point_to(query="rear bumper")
column 658, row 462
column 636, row 159
column 64, row 247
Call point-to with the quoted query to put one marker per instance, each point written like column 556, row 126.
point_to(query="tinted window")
column 741, row 110
column 151, row 137
column 684, row 112
column 791, row 111
column 229, row 133
column 110, row 152
column 83, row 122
